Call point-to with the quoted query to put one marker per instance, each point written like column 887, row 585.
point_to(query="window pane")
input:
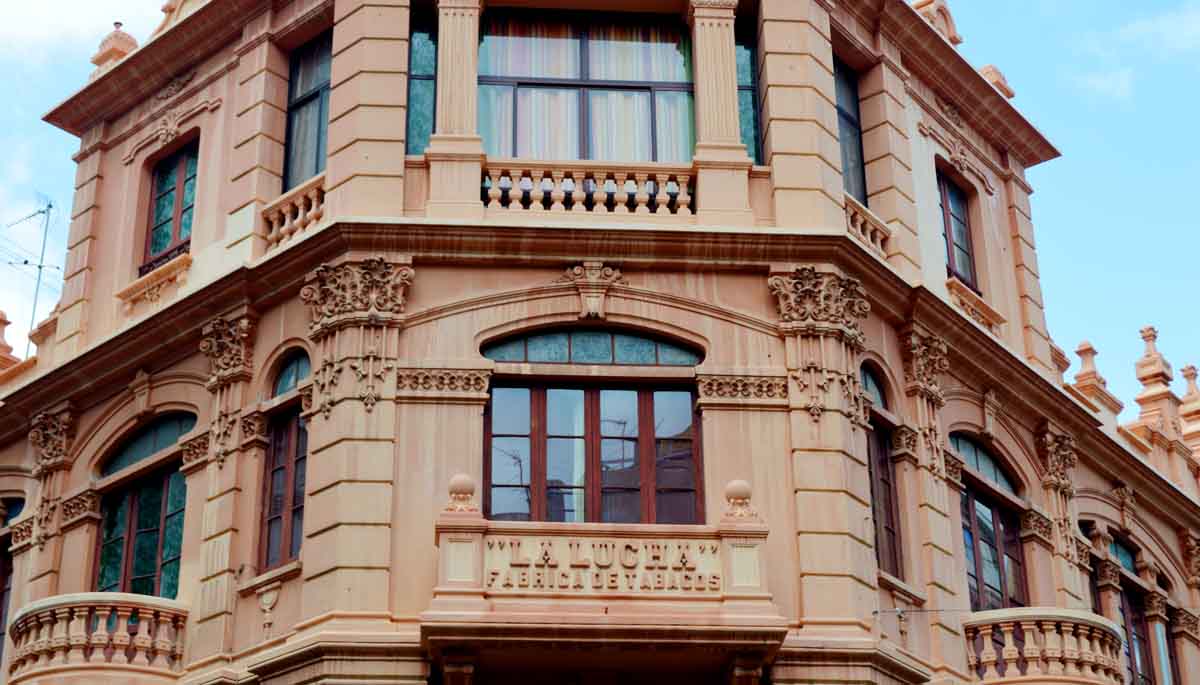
column 675, row 507
column 116, row 509
column 165, row 172
column 496, row 120
column 189, row 192
column 565, row 459
column 510, row 411
column 619, row 413
column 676, row 135
column 958, row 200
column 170, row 580
column 510, row 461
column 422, row 95
column 846, row 83
column 111, row 562
column 164, row 207
column 423, row 46
column 619, row 464
column 510, row 504
column 565, row 504
column 145, row 554
column 185, row 224
column 547, row 123
column 511, row 351
column 631, row 349
column 297, row 532
column 674, row 467
column 513, row 47
column 275, row 504
column 550, row 347
column 963, row 265
column 746, row 58
column 160, row 238
column 672, row 414
column 310, row 66
column 172, row 542
column 621, row 506
column 670, row 355
column 640, row 51
column 142, row 586
column 619, row 125
column 149, row 505
column 591, row 347
column 564, row 412
column 853, row 169
column 274, row 536
column 1012, row 574
column 873, row 388
column 987, row 531
column 304, row 130
column 749, row 123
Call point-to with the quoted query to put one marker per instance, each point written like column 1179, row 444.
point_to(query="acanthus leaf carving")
column 175, row 86
column 808, row 296
column 954, row 467
column 1034, row 522
column 229, row 346
column 1191, row 556
column 926, row 358
column 51, row 435
column 195, row 451
column 592, row 279
column 78, row 507
column 325, row 380
column 1058, row 460
column 373, row 290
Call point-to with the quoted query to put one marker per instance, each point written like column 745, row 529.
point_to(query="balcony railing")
column 659, row 191
column 295, row 211
column 1068, row 645
column 97, row 628
column 865, row 227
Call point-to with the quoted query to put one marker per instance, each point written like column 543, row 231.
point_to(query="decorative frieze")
column 80, row 508
column 229, row 345
column 592, row 280
column 824, row 299
column 742, row 390
column 373, row 291
column 51, row 435
column 442, row 380
column 21, row 534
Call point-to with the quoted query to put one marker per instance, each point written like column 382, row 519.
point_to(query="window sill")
column 149, row 288
column 974, row 306
column 264, row 581
column 907, row 592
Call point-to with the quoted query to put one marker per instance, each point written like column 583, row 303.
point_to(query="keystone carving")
column 593, row 281
column 374, row 290
column 808, row 296
column 51, row 435
column 229, row 346
column 742, row 387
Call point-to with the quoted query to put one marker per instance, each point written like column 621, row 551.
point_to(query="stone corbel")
column 593, row 281
column 1126, row 501
column 195, row 452
column 1059, row 458
column 80, row 508
column 228, row 343
column 992, row 410
column 51, row 434
column 905, row 446
column 1190, row 544
column 954, row 468
column 1185, row 623
column 1037, row 526
column 254, row 430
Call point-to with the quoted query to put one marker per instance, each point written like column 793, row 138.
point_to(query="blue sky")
column 1112, row 83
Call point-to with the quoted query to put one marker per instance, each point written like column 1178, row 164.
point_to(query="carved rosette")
column 229, row 346
column 826, row 301
column 592, row 280
column 79, row 508
column 1036, row 524
column 443, row 380
column 1058, row 460
column 371, row 291
column 926, row 358
column 742, row 389
column 51, row 434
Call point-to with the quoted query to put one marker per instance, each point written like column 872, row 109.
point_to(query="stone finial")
column 1189, row 411
column 996, row 77
column 1153, row 370
column 1193, row 392
column 737, row 503
column 1089, row 381
column 462, row 494
column 113, row 49
column 937, row 13
column 7, row 359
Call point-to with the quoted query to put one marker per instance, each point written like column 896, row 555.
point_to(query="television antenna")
column 44, row 212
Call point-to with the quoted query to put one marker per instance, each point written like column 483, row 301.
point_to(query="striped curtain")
column 549, row 123
column 619, row 121
column 543, row 49
column 629, row 52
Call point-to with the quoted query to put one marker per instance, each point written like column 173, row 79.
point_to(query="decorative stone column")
column 938, row 480
column 356, row 308
column 51, row 437
column 1158, row 627
column 455, row 151
column 820, row 315
column 1185, row 631
column 368, row 105
column 1057, row 452
column 213, row 462
column 1108, row 584
column 722, row 162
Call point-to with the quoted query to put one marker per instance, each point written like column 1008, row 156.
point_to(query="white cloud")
column 34, row 30
column 1172, row 33
column 1116, row 83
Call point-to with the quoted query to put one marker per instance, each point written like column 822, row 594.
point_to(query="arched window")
column 295, row 368
column 12, row 508
column 284, row 476
column 883, row 479
column 141, row 532
column 589, row 450
column 991, row 532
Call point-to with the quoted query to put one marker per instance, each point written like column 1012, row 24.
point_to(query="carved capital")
column 80, row 508
column 1036, row 524
column 1059, row 458
column 1108, row 574
column 195, row 451
column 592, row 280
column 1186, row 623
column 51, row 434
column 826, row 302
column 926, row 358
column 1083, row 553
column 229, row 345
column 254, row 428
column 373, row 291
column 1155, row 606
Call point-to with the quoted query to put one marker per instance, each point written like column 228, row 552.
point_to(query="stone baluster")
column 643, row 193
column 557, row 194
column 162, row 641
column 1010, row 653
column 514, row 190
column 537, row 190
column 493, row 188
column 987, row 656
column 1070, row 650
column 121, row 637
column 100, row 636
column 683, row 201
column 661, row 198
column 578, row 196
column 142, row 641
column 622, row 196
column 1032, row 651
column 1053, row 648
column 59, row 642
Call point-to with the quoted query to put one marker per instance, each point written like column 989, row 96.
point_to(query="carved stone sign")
column 532, row 564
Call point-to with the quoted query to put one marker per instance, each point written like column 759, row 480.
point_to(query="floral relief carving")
column 21, row 533
column 325, row 379
column 51, row 435
column 904, row 439
column 229, row 346
column 1186, row 622
column 1034, row 522
column 175, row 86
column 1083, row 553
column 195, row 450
column 374, row 288
column 224, row 425
column 1126, row 500
column 80, row 506
column 254, row 426
column 47, row 520
column 925, row 359
column 810, row 296
column 1058, row 459
column 815, row 381
column 742, row 387
column 954, row 467
column 169, row 125
column 1191, row 556
column 369, row 369
column 442, row 380
column 592, row 279
column 1155, row 605
column 1108, row 573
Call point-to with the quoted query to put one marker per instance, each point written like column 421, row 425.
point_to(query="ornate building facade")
column 586, row 341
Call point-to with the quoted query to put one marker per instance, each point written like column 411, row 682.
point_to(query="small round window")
column 591, row 347
column 294, row 369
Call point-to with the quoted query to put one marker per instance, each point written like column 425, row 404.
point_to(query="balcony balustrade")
column 648, row 190
column 139, row 635
column 295, row 211
column 865, row 227
column 1028, row 645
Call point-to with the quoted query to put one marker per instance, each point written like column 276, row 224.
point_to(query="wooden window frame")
column 593, row 487
column 887, row 519
column 128, row 488
column 296, row 100
column 747, row 36
column 429, row 20
column 1133, row 619
column 975, row 489
column 178, row 245
column 583, row 21
column 855, row 122
column 944, row 183
column 286, row 417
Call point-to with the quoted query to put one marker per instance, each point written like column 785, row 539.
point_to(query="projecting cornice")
column 929, row 57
